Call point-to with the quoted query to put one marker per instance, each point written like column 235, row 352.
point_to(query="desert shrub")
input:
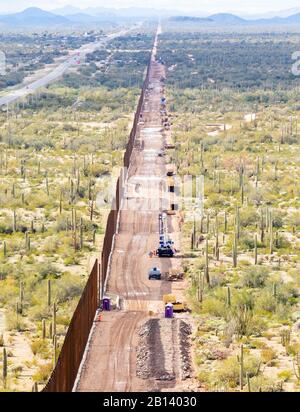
column 51, row 245
column 282, row 243
column 72, row 259
column 265, row 301
column 268, row 354
column 216, row 200
column 264, row 384
column 61, row 223
column 214, row 307
column 294, row 219
column 277, row 220
column 243, row 299
column 39, row 347
column 68, row 287
column 98, row 170
column 255, row 276
column 45, row 270
column 4, row 271
column 248, row 217
column 43, row 373
column 14, row 321
column 243, row 322
column 228, row 370
column 291, row 140
column 8, row 291
column 246, row 241
column 285, row 375
column 287, row 294
column 39, row 311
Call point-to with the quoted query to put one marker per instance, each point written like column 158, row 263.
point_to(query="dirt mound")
column 163, row 351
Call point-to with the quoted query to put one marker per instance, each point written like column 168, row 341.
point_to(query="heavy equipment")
column 166, row 248
column 177, row 306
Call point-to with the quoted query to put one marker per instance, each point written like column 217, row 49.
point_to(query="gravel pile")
column 164, row 347
column 143, row 351
column 185, row 331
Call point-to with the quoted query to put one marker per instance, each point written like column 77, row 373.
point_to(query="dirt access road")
column 111, row 357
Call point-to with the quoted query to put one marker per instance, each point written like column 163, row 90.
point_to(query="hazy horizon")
column 242, row 7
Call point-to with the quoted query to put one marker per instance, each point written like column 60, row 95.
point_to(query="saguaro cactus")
column 4, row 368
column 207, row 223
column 285, row 338
column 228, row 296
column 192, row 241
column 27, row 242
column 14, row 221
column 200, row 288
column 274, row 293
column 271, row 234
column 54, row 350
column 49, row 292
column 217, row 250
column 35, row 387
column 242, row 189
column 225, row 223
column 241, row 363
column 50, row 330
column 81, row 234
column 296, row 365
column 21, row 296
column 206, row 271
column 248, row 382
column 255, row 249
column 237, row 222
column 262, row 226
column 44, row 329
column 234, row 250
column 54, row 319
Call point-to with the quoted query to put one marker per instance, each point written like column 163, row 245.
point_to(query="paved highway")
column 76, row 58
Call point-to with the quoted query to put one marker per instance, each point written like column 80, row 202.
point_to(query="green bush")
column 228, row 370
column 39, row 347
column 255, row 277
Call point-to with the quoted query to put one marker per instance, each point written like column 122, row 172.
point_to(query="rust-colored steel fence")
column 66, row 369
column 65, row 372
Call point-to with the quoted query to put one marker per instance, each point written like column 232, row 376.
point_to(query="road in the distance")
column 76, row 58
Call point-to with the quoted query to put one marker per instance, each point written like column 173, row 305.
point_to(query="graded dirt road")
column 111, row 357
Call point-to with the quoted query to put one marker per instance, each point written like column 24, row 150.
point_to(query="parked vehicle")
column 154, row 273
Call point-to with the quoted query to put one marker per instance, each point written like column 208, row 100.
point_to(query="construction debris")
column 173, row 275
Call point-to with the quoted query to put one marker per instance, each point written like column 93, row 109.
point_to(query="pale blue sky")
column 206, row 6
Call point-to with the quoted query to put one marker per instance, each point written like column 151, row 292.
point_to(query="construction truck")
column 177, row 306
column 166, row 248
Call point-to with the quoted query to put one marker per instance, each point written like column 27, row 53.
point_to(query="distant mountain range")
column 224, row 19
column 33, row 17
column 70, row 16
column 38, row 18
